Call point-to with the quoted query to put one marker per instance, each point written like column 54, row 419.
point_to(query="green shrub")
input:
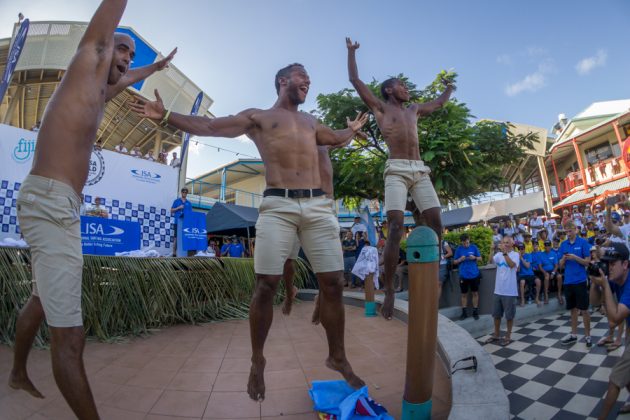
column 480, row 236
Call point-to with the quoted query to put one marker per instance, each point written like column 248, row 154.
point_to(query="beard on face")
column 293, row 92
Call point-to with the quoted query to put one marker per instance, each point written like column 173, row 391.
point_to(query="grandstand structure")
column 50, row 46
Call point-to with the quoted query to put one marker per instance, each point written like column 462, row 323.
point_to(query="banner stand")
column 181, row 252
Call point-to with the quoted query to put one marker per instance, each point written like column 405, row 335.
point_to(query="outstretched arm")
column 135, row 75
column 611, row 228
column 100, row 30
column 329, row 137
column 232, row 126
column 428, row 107
column 364, row 92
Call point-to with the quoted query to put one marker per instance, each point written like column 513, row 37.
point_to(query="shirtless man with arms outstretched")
column 404, row 171
column 49, row 200
column 293, row 203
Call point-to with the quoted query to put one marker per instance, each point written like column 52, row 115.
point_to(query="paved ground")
column 201, row 371
column 545, row 380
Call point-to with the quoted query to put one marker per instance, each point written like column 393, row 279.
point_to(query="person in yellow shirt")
column 543, row 236
column 527, row 242
column 590, row 230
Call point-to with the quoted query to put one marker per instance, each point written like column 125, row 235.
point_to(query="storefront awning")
column 493, row 210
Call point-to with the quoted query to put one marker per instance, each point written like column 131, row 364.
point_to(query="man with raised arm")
column 404, row 172
column 294, row 203
column 49, row 201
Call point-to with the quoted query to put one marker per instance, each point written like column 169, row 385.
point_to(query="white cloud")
column 532, row 82
column 527, row 53
column 585, row 65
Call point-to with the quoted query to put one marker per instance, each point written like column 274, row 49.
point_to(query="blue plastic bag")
column 340, row 399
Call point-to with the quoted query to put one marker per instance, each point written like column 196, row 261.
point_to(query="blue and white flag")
column 14, row 56
column 195, row 237
column 193, row 111
column 366, row 219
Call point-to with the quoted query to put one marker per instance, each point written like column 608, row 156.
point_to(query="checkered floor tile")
column 545, row 380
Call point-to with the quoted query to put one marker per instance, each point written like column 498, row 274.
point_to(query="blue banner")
column 101, row 236
column 194, row 233
column 14, row 56
column 366, row 219
column 193, row 111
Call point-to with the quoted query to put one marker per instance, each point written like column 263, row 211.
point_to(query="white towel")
column 367, row 263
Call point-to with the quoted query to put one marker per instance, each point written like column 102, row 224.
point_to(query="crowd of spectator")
column 162, row 157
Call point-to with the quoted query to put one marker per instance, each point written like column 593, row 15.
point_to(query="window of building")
column 598, row 153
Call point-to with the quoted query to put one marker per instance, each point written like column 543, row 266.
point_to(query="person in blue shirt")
column 525, row 273
column 180, row 207
column 619, row 273
column 234, row 249
column 534, row 294
column 548, row 266
column 466, row 257
column 555, row 248
column 575, row 257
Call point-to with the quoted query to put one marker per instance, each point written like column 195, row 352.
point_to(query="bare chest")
column 293, row 132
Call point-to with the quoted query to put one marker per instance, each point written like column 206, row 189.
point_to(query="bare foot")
column 346, row 371
column 256, row 383
column 387, row 310
column 288, row 301
column 22, row 382
column 315, row 317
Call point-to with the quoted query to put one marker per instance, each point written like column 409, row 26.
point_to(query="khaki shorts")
column 402, row 176
column 295, row 251
column 620, row 374
column 48, row 214
column 314, row 222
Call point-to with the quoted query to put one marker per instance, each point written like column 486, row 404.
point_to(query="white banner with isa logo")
column 132, row 189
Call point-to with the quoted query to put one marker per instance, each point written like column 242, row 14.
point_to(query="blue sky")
column 522, row 61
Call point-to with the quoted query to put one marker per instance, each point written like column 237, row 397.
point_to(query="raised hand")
column 149, row 109
column 163, row 63
column 351, row 46
column 358, row 122
column 448, row 83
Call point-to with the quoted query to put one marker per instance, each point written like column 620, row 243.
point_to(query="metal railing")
column 599, row 172
column 205, row 194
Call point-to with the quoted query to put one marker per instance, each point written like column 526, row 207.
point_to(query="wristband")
column 164, row 121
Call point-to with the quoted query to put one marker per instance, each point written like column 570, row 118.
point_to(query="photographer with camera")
column 575, row 257
column 614, row 265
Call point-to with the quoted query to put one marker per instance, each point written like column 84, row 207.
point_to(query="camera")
column 594, row 267
column 600, row 240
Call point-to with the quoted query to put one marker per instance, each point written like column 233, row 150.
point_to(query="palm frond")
column 130, row 296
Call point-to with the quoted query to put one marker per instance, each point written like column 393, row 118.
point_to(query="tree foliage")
column 465, row 157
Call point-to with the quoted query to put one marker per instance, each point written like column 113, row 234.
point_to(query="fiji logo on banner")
column 96, row 168
column 23, row 150
column 146, row 176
